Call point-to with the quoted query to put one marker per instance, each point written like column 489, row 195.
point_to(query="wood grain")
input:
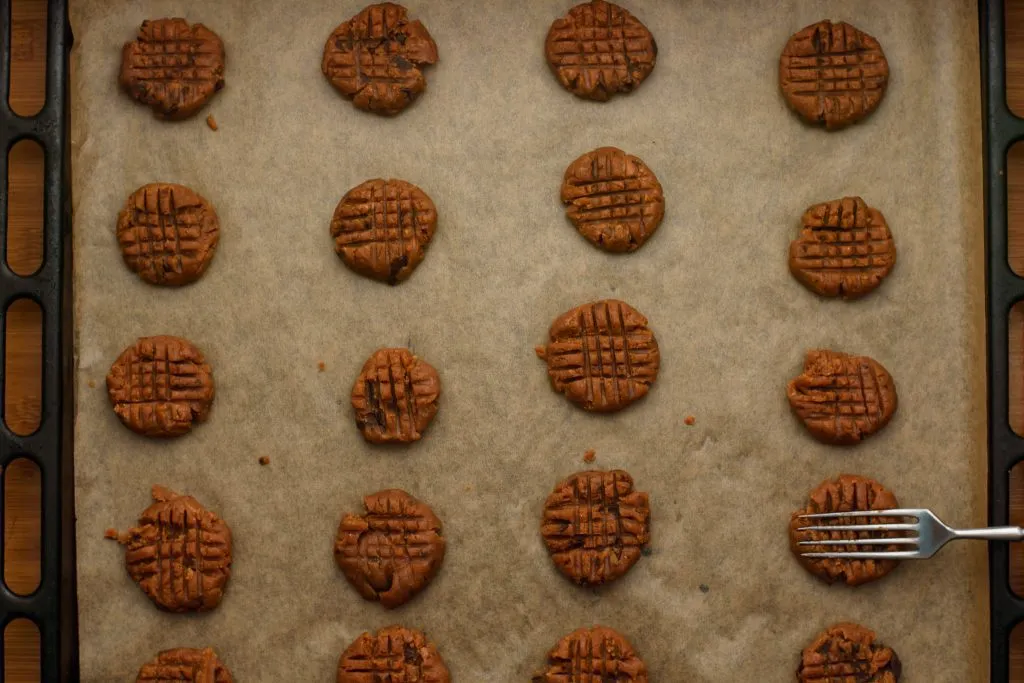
column 21, row 484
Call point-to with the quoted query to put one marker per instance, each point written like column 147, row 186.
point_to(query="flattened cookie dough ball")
column 393, row 550
column 842, row 399
column 589, row 655
column 833, row 74
column 844, row 249
column 395, row 654
column 160, row 386
column 596, row 525
column 173, row 67
column 185, row 664
column 849, row 653
column 376, row 59
column 599, row 49
column 382, row 228
column 846, row 493
column 179, row 554
column 601, row 355
column 395, row 397
column 168, row 234
column 613, row 199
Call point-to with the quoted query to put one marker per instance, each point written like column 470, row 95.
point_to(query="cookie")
column 393, row 551
column 395, row 397
column 595, row 525
column 848, row 653
column 160, row 386
column 842, row 399
column 844, row 249
column 833, row 74
column 601, row 355
column 173, row 67
column 382, row 228
column 613, row 199
column 179, row 554
column 375, row 59
column 599, row 49
column 168, row 234
column 396, row 653
column 185, row 664
column 847, row 493
column 593, row 655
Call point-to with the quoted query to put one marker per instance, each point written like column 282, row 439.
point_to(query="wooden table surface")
column 23, row 365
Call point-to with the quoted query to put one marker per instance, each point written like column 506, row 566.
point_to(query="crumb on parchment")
column 590, row 455
column 690, row 420
column 321, row 366
column 110, row 534
column 264, row 459
column 211, row 122
column 92, row 384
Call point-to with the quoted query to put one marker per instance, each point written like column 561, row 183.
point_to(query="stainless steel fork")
column 926, row 535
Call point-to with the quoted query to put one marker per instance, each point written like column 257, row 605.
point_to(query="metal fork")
column 928, row 534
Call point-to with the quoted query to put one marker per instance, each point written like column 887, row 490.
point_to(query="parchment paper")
column 489, row 141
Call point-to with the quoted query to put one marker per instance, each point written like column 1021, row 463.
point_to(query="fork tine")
column 860, row 527
column 867, row 541
column 885, row 555
column 864, row 513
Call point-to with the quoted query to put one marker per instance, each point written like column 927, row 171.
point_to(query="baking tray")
column 1004, row 288
column 52, row 607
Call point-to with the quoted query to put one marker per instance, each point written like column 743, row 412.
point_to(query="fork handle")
column 992, row 533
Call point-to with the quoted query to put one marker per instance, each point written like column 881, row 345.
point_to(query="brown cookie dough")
column 595, row 525
column 168, row 234
column 842, row 399
column 848, row 653
column 160, row 385
column 590, row 655
column 395, row 396
column 382, row 228
column 172, row 67
column 847, row 493
column 185, row 664
column 844, row 249
column 393, row 551
column 599, row 49
column 179, row 554
column 833, row 74
column 374, row 59
column 395, row 654
column 613, row 199
column 601, row 355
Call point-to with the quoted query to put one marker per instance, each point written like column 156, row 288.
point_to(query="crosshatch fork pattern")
column 381, row 228
column 602, row 355
column 172, row 66
column 595, row 526
column 846, row 493
column 613, row 199
column 167, row 233
column 179, row 554
column 844, row 247
column 392, row 655
column 833, row 73
column 395, row 396
column 375, row 58
column 160, row 385
column 391, row 552
column 184, row 664
column 843, row 396
column 599, row 49
column 593, row 655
